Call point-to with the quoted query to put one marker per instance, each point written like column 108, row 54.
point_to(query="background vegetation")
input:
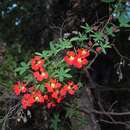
column 29, row 26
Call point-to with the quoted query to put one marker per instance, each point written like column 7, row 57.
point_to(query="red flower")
column 49, row 88
column 45, row 97
column 98, row 49
column 75, row 87
column 37, row 62
column 19, row 87
column 27, row 101
column 41, row 74
column 70, row 57
column 50, row 104
column 71, row 92
column 52, row 85
column 79, row 61
column 71, row 88
column 83, row 52
column 58, row 100
column 55, row 94
column 38, row 97
column 63, row 91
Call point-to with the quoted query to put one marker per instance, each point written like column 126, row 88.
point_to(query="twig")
column 109, row 116
column 95, row 57
column 106, row 113
column 109, row 19
column 118, row 52
column 110, row 108
column 94, row 124
column 115, row 122
column 111, row 113
column 108, row 88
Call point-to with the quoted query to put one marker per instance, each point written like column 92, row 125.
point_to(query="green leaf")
column 79, row 38
column 104, row 51
column 107, row 45
column 53, row 48
column 55, row 122
column 46, row 54
column 70, row 112
column 73, row 39
column 29, row 78
column 109, row 31
column 104, row 46
column 82, row 37
column 63, row 44
column 124, row 22
column 23, row 67
column 62, row 73
column 42, row 88
column 37, row 53
column 98, row 36
column 87, row 28
column 95, row 44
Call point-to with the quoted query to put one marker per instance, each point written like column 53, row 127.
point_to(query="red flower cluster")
column 55, row 91
column 70, row 88
column 37, row 65
column 19, row 88
column 35, row 96
column 78, row 59
column 53, row 88
column 38, row 97
column 27, row 101
column 37, row 62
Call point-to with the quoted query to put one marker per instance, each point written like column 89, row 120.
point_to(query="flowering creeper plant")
column 49, row 77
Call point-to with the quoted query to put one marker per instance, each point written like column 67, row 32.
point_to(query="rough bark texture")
column 87, row 104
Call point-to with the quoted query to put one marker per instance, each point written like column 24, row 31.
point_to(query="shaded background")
column 28, row 26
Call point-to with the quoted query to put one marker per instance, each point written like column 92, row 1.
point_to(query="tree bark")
column 86, row 102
